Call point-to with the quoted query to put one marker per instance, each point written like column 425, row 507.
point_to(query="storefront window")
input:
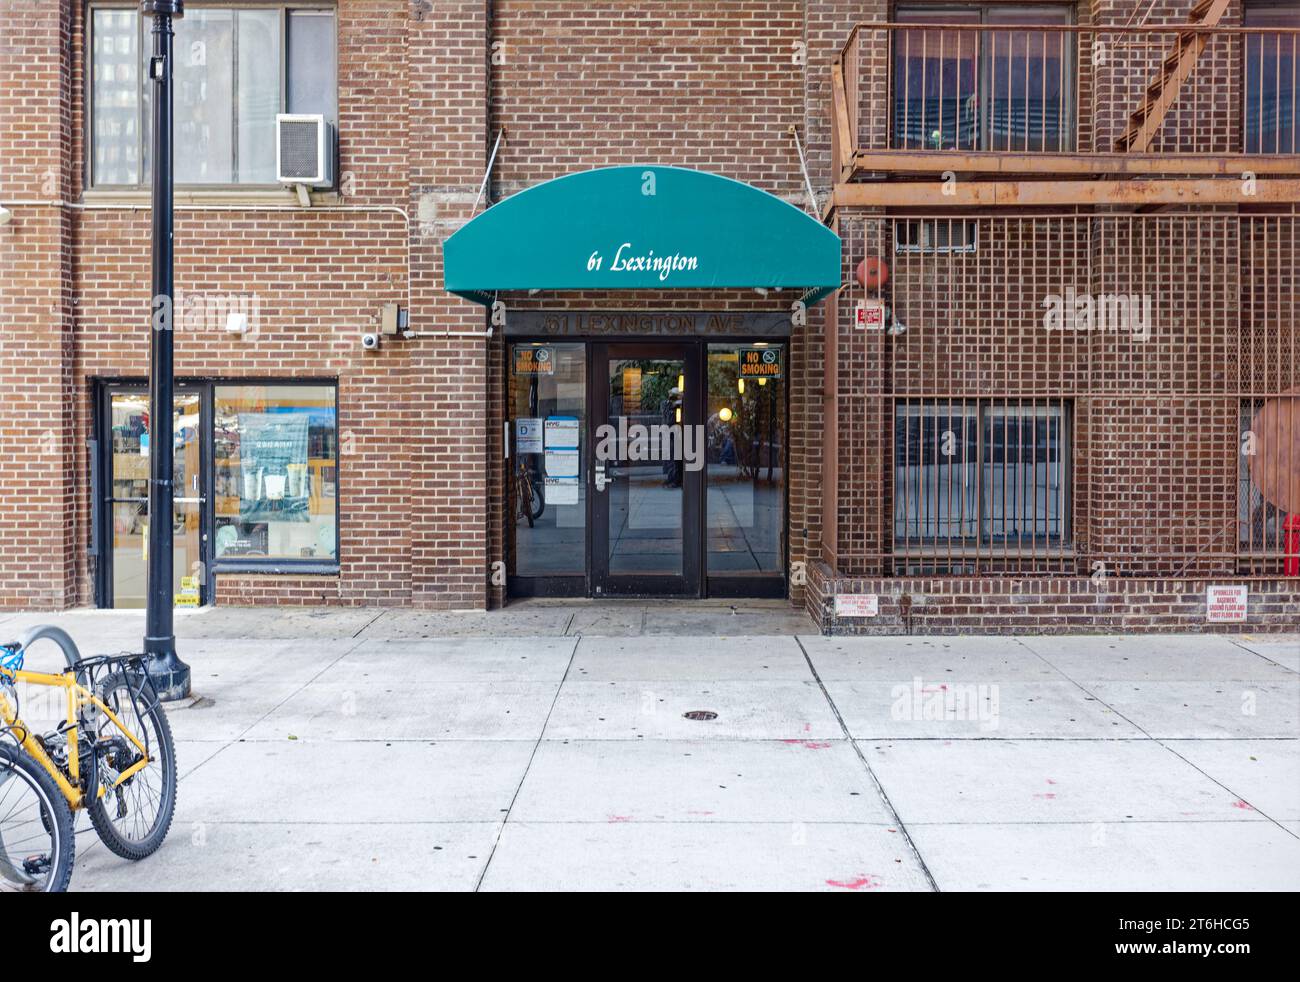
column 275, row 458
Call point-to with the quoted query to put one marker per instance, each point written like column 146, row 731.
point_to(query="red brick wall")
column 424, row 88
column 1001, row 605
column 38, row 450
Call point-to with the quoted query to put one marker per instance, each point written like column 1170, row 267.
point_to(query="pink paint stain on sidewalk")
column 617, row 819
column 808, row 744
column 1243, row 805
column 863, row 881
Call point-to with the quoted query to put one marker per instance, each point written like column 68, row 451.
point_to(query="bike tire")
column 56, row 815
column 536, row 503
column 148, row 843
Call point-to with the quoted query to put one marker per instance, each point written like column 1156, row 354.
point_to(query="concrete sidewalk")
column 546, row 747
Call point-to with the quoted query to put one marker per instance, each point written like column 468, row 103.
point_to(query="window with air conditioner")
column 237, row 66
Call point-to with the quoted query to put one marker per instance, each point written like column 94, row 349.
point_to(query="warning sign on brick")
column 857, row 605
column 1226, row 604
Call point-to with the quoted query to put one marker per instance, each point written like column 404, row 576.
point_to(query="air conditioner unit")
column 304, row 150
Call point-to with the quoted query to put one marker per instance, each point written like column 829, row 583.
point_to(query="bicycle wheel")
column 36, row 841
column 536, row 502
column 133, row 818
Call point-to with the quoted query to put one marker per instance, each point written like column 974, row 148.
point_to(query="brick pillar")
column 448, row 413
column 39, row 463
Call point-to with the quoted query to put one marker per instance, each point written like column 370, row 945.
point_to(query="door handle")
column 601, row 479
column 188, row 501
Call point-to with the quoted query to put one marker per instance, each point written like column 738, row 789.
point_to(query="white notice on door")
column 561, row 491
column 561, row 433
column 562, row 463
column 528, row 435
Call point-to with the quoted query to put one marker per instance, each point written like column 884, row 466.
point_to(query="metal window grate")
column 1132, row 353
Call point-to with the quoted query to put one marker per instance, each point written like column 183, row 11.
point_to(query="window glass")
column 115, row 116
column 236, row 67
column 1027, row 97
column 935, row 483
column 204, row 97
column 934, row 235
column 1269, row 108
column 935, row 103
column 311, row 53
column 745, row 440
column 259, row 94
column 983, row 89
column 275, row 456
column 548, row 492
column 647, row 475
column 1024, row 474
column 972, row 471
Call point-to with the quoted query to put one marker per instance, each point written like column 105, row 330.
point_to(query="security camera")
column 370, row 341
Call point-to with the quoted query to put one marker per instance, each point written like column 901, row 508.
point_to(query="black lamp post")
column 170, row 675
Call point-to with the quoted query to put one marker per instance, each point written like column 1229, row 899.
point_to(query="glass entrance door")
column 127, row 501
column 647, row 458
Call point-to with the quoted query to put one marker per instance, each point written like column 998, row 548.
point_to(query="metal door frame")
column 602, row 583
column 102, row 530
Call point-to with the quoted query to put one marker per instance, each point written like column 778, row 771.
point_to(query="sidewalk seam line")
column 1285, row 668
column 478, row 886
column 1158, row 741
column 875, row 780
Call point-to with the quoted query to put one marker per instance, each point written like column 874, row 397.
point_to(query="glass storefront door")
column 648, row 455
column 127, row 501
column 746, row 467
column 646, row 468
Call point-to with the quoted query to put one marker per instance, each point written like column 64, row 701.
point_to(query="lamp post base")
column 170, row 675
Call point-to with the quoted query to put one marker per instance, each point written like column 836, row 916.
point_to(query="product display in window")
column 276, row 467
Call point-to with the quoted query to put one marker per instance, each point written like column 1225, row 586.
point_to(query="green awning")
column 639, row 228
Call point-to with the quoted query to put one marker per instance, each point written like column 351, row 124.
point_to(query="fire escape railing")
column 973, row 90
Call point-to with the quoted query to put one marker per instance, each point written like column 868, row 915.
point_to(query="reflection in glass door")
column 746, row 470
column 546, row 492
column 646, row 471
column 128, row 501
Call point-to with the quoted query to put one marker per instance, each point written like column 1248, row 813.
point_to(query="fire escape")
column 981, row 169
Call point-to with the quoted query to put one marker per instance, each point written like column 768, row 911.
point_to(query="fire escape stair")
column 1162, row 93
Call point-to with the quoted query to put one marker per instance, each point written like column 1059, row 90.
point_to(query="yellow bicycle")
column 112, row 755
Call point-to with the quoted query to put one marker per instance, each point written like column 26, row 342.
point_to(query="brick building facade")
column 970, row 463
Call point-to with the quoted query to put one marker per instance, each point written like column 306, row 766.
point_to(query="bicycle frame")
column 78, row 698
